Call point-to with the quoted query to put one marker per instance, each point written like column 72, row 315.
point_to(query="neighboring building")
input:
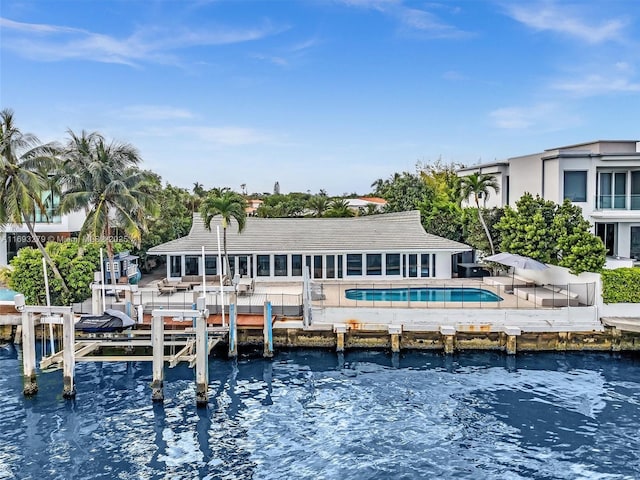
column 252, row 206
column 602, row 177
column 49, row 227
column 356, row 204
column 387, row 246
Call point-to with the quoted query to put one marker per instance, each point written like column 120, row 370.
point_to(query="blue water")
column 6, row 295
column 429, row 294
column 319, row 415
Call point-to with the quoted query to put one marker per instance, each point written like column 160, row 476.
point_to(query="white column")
column 157, row 338
column 29, row 355
column 68, row 356
column 202, row 360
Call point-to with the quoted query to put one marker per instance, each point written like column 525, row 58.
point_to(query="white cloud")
column 411, row 18
column 541, row 117
column 618, row 78
column 155, row 112
column 547, row 16
column 230, row 136
column 156, row 45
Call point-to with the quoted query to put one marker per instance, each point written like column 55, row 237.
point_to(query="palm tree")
column 230, row 206
column 475, row 185
column 318, row 204
column 24, row 168
column 339, row 207
column 104, row 180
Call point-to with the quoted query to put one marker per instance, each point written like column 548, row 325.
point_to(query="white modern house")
column 601, row 177
column 386, row 246
column 49, row 226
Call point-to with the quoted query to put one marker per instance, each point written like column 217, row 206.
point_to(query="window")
column 264, row 267
column 424, row 264
column 280, row 265
column 635, row 243
column 413, row 265
column 635, row 190
column 51, row 202
column 374, row 264
column 354, row 264
column 607, row 233
column 340, row 260
column 331, row 263
column 317, row 266
column 175, row 266
column 575, row 185
column 243, row 265
column 191, row 265
column 296, row 265
column 210, row 265
column 393, row 263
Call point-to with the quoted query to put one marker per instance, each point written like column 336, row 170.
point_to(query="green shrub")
column 621, row 285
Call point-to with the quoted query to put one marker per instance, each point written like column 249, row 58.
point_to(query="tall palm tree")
column 475, row 185
column 24, row 168
column 230, row 206
column 104, row 180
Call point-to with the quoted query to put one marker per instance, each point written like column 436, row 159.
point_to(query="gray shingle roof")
column 372, row 233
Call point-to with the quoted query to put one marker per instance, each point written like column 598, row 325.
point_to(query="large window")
column 331, row 264
column 317, row 266
column 413, row 265
column 575, row 185
column 635, row 243
column 296, row 265
column 424, row 264
column 354, row 264
column 393, row 264
column 264, row 268
column 191, row 265
column 607, row 233
column 340, row 260
column 175, row 266
column 374, row 264
column 635, row 190
column 51, row 203
column 280, row 265
column 210, row 265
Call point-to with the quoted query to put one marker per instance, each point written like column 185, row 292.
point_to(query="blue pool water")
column 319, row 415
column 428, row 294
column 6, row 295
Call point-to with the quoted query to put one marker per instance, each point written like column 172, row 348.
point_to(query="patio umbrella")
column 516, row 261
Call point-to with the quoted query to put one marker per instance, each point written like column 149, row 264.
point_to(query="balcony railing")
column 618, row 202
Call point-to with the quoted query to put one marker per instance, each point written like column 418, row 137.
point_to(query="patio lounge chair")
column 167, row 287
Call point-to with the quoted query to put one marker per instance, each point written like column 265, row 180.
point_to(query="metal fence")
column 451, row 295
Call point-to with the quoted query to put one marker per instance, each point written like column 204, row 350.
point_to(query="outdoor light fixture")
column 19, row 302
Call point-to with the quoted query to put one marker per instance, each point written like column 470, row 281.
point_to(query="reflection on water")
column 318, row 415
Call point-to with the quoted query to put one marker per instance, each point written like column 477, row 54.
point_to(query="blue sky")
column 321, row 94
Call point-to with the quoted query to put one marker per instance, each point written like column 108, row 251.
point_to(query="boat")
column 110, row 321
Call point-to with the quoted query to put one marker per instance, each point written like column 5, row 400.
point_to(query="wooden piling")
column 68, row 345
column 395, row 331
column 29, row 355
column 233, row 328
column 202, row 359
column 512, row 335
column 341, row 331
column 448, row 338
column 157, row 339
column 267, row 331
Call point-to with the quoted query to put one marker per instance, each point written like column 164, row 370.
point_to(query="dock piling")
column 448, row 338
column 268, row 331
column 30, row 386
column 512, row 335
column 202, row 357
column 157, row 339
column 340, row 331
column 233, row 328
column 395, row 331
column 69, row 362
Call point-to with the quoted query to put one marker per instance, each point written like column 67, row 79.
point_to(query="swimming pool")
column 6, row 295
column 424, row 294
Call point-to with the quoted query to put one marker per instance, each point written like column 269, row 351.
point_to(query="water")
column 424, row 294
column 319, row 415
column 6, row 295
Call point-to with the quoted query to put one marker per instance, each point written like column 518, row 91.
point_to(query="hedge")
column 621, row 285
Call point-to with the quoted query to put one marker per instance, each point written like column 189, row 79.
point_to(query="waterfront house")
column 387, row 246
column 48, row 225
column 601, row 177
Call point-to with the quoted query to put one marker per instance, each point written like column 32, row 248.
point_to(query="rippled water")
column 318, row 415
